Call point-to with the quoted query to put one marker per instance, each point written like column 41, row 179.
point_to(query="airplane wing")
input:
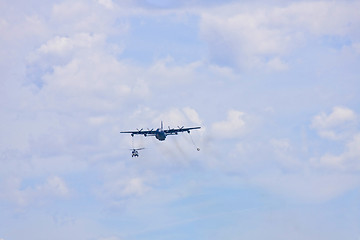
column 141, row 132
column 180, row 129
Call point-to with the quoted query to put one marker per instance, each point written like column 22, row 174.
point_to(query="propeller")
column 180, row 127
column 139, row 130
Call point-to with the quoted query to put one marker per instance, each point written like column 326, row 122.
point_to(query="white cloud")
column 285, row 154
column 244, row 38
column 62, row 45
column 281, row 145
column 110, row 238
column 89, row 80
column 246, row 35
column 166, row 72
column 192, row 115
column 107, row 3
column 349, row 160
column 69, row 125
column 308, row 186
column 58, row 45
column 337, row 125
column 116, row 190
column 53, row 187
column 277, row 64
column 356, row 47
column 175, row 117
column 341, row 125
column 339, row 116
column 98, row 120
column 323, row 17
column 233, row 126
column 134, row 186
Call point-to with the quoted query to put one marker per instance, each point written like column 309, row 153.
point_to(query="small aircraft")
column 161, row 133
column 134, row 152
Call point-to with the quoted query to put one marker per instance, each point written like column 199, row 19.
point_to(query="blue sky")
column 273, row 84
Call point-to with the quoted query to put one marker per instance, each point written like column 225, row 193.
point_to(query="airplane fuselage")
column 160, row 134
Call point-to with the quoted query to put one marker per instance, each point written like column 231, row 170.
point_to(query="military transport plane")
column 161, row 133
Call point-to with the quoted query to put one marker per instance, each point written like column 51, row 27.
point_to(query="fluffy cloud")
column 63, row 45
column 110, row 238
column 116, row 191
column 82, row 85
column 337, row 125
column 309, row 186
column 107, row 3
column 233, row 126
column 82, row 16
column 175, row 117
column 246, row 36
column 53, row 187
column 284, row 153
column 349, row 160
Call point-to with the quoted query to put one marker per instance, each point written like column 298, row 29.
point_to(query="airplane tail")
column 162, row 127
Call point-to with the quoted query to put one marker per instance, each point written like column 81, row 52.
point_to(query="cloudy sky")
column 275, row 86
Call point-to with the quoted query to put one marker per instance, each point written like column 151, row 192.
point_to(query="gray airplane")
column 161, row 133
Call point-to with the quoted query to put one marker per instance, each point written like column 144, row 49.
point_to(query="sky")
column 274, row 85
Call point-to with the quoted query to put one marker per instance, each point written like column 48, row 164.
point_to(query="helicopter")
column 135, row 151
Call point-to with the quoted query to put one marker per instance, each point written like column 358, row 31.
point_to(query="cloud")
column 349, row 160
column 134, row 186
column 110, row 238
column 83, row 16
column 62, row 45
column 192, row 115
column 356, row 47
column 178, row 117
column 337, row 125
column 277, row 64
column 234, row 126
column 83, row 84
column 249, row 36
column 107, row 3
column 309, row 186
column 116, row 191
column 88, row 77
column 339, row 116
column 54, row 187
column 167, row 72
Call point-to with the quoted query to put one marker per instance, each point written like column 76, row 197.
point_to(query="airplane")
column 134, row 152
column 161, row 133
